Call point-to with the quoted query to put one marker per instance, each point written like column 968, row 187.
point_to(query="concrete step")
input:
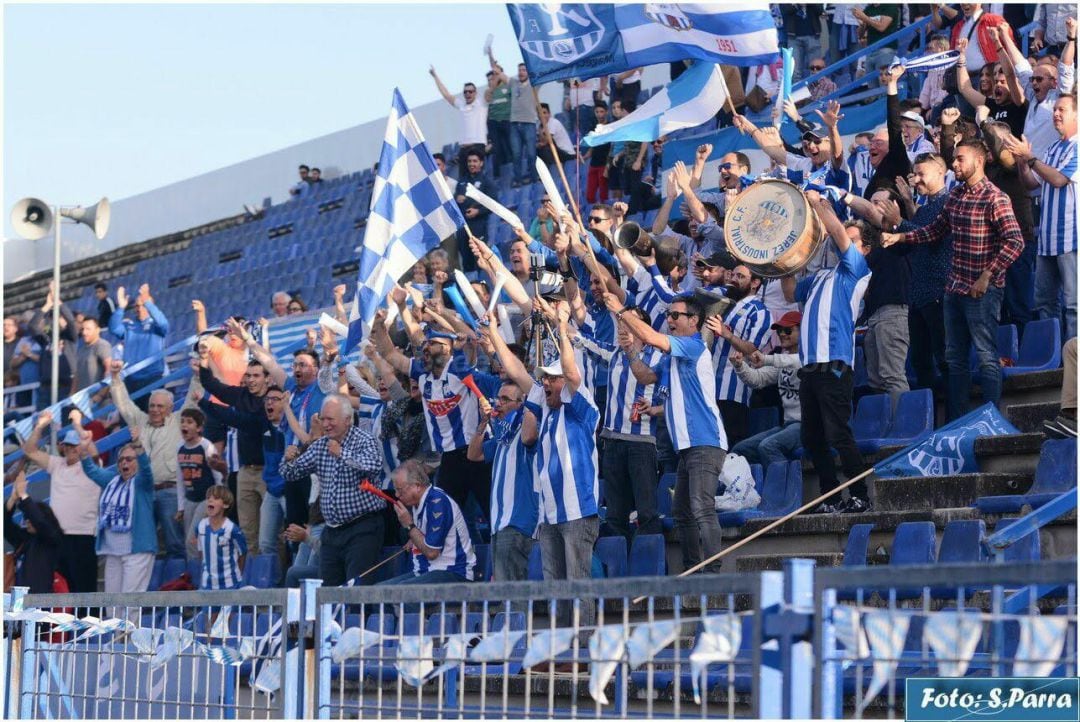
column 1029, row 417
column 958, row 490
column 769, row 563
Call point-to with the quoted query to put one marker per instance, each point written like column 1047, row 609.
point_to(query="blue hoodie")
column 142, row 339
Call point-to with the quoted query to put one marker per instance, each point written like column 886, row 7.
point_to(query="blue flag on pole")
column 948, row 450
column 560, row 41
column 412, row 211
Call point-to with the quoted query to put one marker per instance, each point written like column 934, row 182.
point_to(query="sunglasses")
column 680, row 314
column 785, row 331
column 127, row 458
column 596, row 219
column 817, row 68
column 727, row 166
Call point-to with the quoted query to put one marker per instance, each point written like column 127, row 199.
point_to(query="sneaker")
column 855, row 505
column 826, row 508
column 1060, row 428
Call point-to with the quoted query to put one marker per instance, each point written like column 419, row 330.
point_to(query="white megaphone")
column 96, row 217
column 32, row 218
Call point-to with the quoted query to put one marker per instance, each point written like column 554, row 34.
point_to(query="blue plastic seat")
column 871, row 421
column 861, row 379
column 913, row 417
column 647, row 556
column 763, row 419
column 1054, row 475
column 1008, row 345
column 386, row 671
column 1040, row 348
column 858, row 545
column 962, row 542
column 1026, row 549
column 915, row 542
column 170, row 570
column 612, row 553
column 262, row 571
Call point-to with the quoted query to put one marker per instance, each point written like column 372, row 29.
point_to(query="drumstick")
column 393, row 556
column 370, row 488
column 485, row 406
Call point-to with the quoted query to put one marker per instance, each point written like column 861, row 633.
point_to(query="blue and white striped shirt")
column 221, row 550
column 831, row 299
column 1057, row 227
column 750, row 321
column 451, row 410
column 692, row 416
column 649, row 291
column 566, row 467
column 443, row 527
column 514, row 501
column 624, row 389
column 598, row 324
column 921, row 145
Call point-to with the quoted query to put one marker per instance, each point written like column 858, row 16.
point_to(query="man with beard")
column 452, row 413
column 694, row 423
column 986, row 241
column 1042, row 86
column 888, row 152
column 514, row 502
column 743, row 329
column 823, row 159
column 705, row 239
column 476, row 215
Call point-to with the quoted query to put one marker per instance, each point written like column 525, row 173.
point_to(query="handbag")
column 757, row 99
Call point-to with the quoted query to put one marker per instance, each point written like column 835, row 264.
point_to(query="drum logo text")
column 759, row 238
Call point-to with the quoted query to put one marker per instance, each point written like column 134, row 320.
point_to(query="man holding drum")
column 831, row 299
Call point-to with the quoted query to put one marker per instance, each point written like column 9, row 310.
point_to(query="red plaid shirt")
column 985, row 234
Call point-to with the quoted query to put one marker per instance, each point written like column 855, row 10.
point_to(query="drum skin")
column 771, row 228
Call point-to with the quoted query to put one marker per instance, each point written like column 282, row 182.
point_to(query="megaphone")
column 96, row 217
column 32, row 218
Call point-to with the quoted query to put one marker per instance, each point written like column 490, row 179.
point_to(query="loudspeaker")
column 32, row 218
column 96, row 216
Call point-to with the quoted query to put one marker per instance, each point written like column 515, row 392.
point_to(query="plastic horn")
column 485, row 406
column 370, row 488
column 494, row 206
column 391, row 313
column 549, row 186
column 505, row 328
column 459, row 303
column 333, row 324
column 465, row 285
column 500, row 281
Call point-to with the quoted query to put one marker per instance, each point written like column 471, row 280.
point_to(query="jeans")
column 349, row 550
column 566, row 550
column 1018, row 303
column 694, row 505
column 437, row 576
column 926, row 332
column 271, row 519
column 510, row 550
column 886, row 348
column 772, row 445
column 165, row 508
column 1054, row 275
column 523, row 151
column 972, row 321
column 804, row 49
column 306, row 562
column 630, row 483
column 499, row 135
column 825, row 395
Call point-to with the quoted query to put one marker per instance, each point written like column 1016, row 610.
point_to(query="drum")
column 771, row 228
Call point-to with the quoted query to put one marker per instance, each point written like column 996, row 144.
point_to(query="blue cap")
column 432, row 334
column 71, row 437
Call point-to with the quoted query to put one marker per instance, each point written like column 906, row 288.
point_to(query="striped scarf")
column 928, row 62
column 115, row 506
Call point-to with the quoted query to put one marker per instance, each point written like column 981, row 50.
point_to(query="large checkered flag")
column 412, row 211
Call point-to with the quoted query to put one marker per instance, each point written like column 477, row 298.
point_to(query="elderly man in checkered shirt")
column 343, row 458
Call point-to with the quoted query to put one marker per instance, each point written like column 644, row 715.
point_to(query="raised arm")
column 132, row 414
column 493, row 265
column 1002, row 40
column 636, row 326
column 700, row 158
column 200, row 315
column 682, row 180
column 831, row 117
column 770, row 144
column 385, row 346
column 963, row 80
column 662, row 215
column 510, row 363
column 442, row 88
column 30, row 446
column 264, row 357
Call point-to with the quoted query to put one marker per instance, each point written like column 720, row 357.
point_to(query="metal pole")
column 55, row 386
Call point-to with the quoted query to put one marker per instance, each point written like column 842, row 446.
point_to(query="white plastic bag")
column 740, row 492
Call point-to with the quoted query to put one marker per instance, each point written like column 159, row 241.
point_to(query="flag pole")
column 727, row 93
column 772, row 525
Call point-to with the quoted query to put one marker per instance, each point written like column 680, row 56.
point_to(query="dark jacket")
column 248, row 442
column 896, row 162
column 271, row 438
column 40, row 552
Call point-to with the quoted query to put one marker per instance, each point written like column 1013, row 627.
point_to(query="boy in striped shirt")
column 221, row 543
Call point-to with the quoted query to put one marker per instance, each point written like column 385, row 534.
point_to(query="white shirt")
column 974, row 56
column 583, row 93
column 73, row 497
column 474, row 118
column 1039, row 123
column 558, row 132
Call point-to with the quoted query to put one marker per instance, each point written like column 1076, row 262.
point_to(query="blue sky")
column 119, row 99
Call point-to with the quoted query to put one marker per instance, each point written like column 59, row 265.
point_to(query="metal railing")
column 876, row 627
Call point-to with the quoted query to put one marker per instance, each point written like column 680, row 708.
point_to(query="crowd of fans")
column 957, row 214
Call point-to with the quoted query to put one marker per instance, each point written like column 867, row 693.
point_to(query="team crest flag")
column 412, row 211
column 579, row 40
column 949, row 450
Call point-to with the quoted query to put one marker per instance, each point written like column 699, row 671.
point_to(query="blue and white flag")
column 560, row 41
column 412, row 211
column 690, row 100
column 948, row 450
column 927, row 62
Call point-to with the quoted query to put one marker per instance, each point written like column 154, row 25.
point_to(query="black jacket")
column 248, row 442
column 39, row 552
column 896, row 162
